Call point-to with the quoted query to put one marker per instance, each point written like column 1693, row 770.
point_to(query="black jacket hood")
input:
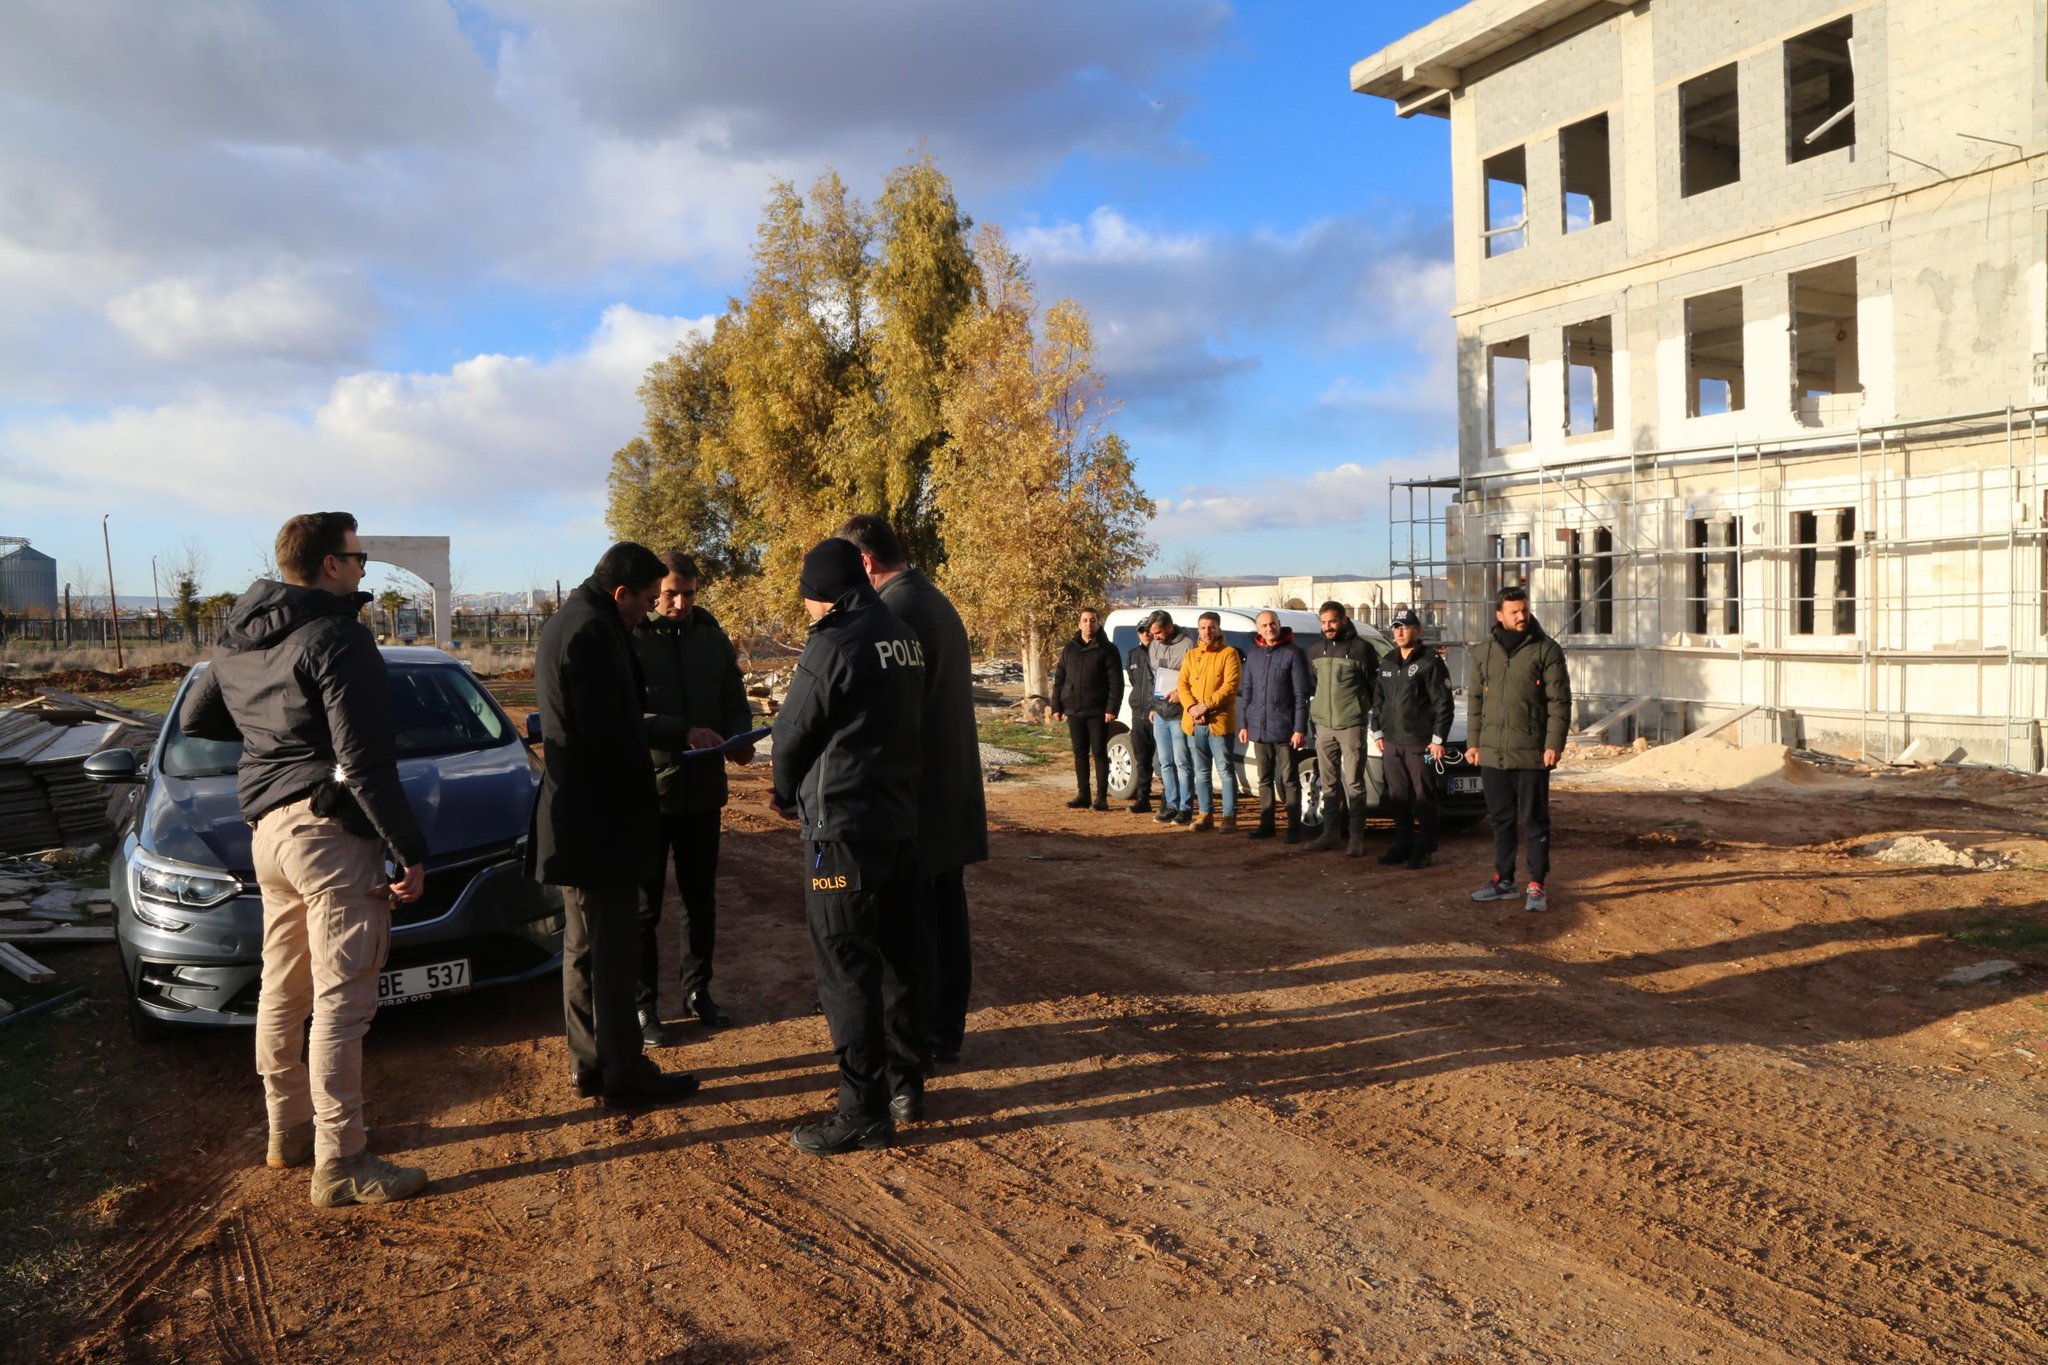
column 271, row 610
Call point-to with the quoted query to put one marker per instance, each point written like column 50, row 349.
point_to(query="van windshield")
column 435, row 709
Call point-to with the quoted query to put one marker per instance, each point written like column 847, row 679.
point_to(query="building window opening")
column 1710, row 124
column 1582, row 157
column 1589, row 580
column 1713, row 353
column 1507, row 393
column 1824, row 336
column 1589, row 377
column 1509, row 567
column 1820, row 92
column 1824, row 572
column 1714, row 575
column 1507, row 202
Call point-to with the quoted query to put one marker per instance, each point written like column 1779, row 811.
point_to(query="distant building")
column 1371, row 600
column 1752, row 327
column 28, row 581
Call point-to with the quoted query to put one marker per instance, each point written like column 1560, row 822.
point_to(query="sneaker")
column 1166, row 816
column 1078, row 803
column 651, row 1092
column 653, row 1032
column 1185, row 816
column 290, row 1147
column 1392, row 856
column 700, row 1006
column 1496, row 889
column 364, row 1179
column 1534, row 901
column 1418, row 861
column 843, row 1133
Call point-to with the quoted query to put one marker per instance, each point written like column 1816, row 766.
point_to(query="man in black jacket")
column 1412, row 707
column 597, row 820
column 952, row 810
column 1138, row 671
column 696, row 699
column 1087, row 688
column 298, row 680
column 847, row 762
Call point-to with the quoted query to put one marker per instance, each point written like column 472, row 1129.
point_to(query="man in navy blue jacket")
column 1273, row 710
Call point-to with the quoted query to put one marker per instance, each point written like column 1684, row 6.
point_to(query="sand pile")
column 1711, row 765
column 1920, row 851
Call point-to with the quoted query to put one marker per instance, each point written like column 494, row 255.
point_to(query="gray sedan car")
column 188, row 916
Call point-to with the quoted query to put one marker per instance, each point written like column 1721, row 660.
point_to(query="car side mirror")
column 533, row 727
column 113, row 765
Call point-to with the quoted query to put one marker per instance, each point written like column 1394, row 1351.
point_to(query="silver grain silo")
column 28, row 582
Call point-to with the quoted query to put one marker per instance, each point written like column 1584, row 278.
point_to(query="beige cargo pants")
column 326, row 928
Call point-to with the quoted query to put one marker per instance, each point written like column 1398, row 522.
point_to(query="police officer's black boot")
column 1265, row 829
column 1292, row 819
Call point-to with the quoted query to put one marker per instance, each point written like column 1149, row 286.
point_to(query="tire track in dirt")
column 240, row 1316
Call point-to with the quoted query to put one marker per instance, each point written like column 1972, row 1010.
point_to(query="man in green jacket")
column 1518, row 707
column 695, row 699
column 1342, row 669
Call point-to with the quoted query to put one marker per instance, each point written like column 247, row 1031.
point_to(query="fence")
column 97, row 629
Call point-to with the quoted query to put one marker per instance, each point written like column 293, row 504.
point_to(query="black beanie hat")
column 831, row 570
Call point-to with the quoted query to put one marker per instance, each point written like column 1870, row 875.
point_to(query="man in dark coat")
column 1138, row 672
column 1273, row 719
column 298, row 681
column 597, row 819
column 1412, row 710
column 1087, row 689
column 1341, row 668
column 952, row 810
column 1518, row 709
column 695, row 699
column 848, row 758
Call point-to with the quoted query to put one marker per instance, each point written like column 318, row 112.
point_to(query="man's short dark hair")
column 1087, row 610
column 874, row 537
column 1332, row 605
column 1513, row 592
column 1210, row 616
column 627, row 565
column 1158, row 618
column 680, row 565
column 304, row 542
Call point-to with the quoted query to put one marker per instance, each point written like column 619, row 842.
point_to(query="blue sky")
column 411, row 257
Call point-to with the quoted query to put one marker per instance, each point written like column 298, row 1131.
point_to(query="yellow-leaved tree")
column 1036, row 495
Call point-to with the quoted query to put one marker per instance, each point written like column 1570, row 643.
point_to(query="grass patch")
column 1036, row 742
column 154, row 696
column 2005, row 935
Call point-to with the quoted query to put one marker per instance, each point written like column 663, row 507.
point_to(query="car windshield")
column 435, row 709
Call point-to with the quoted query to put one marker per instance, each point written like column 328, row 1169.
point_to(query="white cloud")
column 1323, row 499
column 493, row 432
column 288, row 314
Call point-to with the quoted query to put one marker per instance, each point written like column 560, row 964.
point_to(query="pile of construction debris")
column 43, row 905
column 46, row 800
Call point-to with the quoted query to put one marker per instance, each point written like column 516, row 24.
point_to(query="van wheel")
column 1123, row 768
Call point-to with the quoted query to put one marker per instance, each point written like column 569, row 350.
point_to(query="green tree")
column 389, row 602
column 185, row 606
column 1037, row 497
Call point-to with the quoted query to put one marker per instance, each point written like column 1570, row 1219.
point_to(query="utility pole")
column 113, row 602
column 158, row 594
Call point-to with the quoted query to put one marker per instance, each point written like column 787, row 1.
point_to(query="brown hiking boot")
column 1202, row 824
column 1332, row 835
column 364, row 1179
column 1228, row 824
column 290, row 1147
column 1356, row 847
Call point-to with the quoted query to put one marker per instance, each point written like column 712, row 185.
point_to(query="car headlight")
column 181, row 884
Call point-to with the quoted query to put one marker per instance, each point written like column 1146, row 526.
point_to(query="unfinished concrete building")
column 1752, row 316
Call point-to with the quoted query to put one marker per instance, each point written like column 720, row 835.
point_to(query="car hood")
column 463, row 802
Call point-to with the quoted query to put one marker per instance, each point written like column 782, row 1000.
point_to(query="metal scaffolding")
column 1871, row 586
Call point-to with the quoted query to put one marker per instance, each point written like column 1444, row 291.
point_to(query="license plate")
column 1464, row 784
column 417, row 983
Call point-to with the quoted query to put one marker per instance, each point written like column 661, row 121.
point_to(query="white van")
column 1462, row 798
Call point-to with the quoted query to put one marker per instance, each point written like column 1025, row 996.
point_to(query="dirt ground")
column 1221, row 1101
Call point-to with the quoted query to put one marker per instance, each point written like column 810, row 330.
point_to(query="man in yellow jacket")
column 1208, row 695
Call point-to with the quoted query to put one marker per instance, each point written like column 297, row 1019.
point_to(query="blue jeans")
column 1221, row 751
column 1176, row 770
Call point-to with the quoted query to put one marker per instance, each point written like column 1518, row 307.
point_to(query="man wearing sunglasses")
column 298, row 680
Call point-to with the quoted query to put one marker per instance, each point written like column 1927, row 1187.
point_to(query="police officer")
column 847, row 762
column 1412, row 707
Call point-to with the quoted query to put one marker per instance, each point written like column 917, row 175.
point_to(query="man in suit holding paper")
column 695, row 699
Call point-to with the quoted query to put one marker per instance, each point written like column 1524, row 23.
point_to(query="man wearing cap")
column 848, row 757
column 1412, row 709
